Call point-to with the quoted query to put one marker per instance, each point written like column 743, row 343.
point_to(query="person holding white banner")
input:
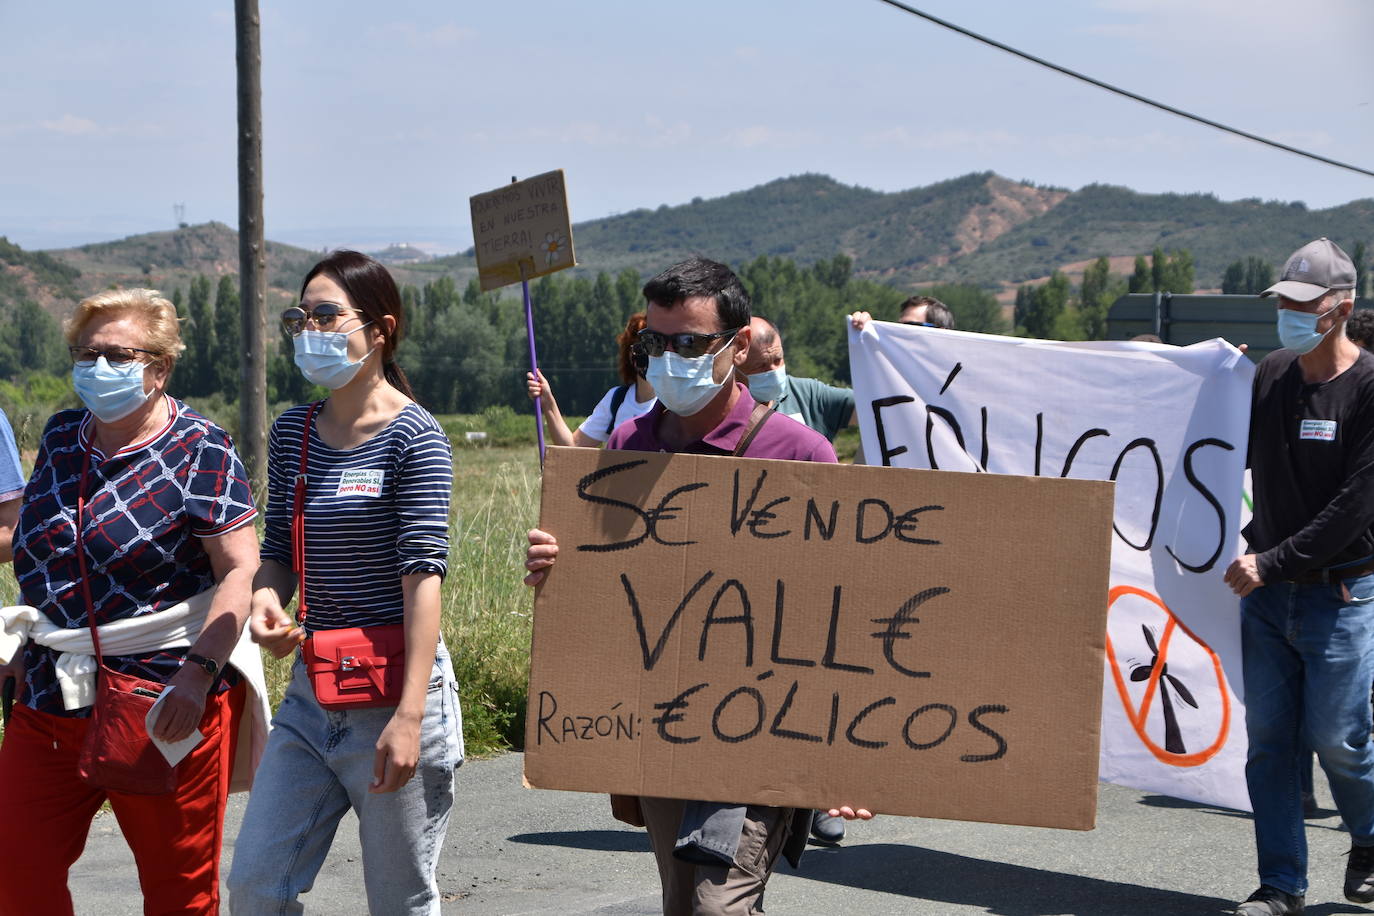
column 811, row 402
column 1307, row 590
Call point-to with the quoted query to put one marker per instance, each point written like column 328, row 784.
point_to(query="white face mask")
column 322, row 357
column 1298, row 330
column 768, row 385
column 110, row 392
column 684, row 385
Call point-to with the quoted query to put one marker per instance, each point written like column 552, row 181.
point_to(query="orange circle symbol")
column 1137, row 717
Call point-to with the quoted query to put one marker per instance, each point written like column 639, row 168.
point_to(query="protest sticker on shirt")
column 805, row 634
column 361, row 482
column 1322, row 430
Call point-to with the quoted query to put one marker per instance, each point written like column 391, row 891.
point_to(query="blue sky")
column 381, row 119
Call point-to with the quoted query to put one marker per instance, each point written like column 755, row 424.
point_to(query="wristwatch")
column 209, row 664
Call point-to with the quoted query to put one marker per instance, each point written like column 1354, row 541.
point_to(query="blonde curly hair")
column 157, row 315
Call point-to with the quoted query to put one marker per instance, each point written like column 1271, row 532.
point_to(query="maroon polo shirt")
column 781, row 437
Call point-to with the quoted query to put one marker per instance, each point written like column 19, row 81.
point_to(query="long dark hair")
column 372, row 291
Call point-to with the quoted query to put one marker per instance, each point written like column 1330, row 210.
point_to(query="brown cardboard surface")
column 791, row 633
column 522, row 223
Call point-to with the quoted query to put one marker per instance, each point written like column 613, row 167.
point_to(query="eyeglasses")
column 688, row 346
column 918, row 324
column 322, row 316
column 115, row 356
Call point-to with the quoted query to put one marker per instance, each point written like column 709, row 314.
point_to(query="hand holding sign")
column 543, row 550
column 1243, row 575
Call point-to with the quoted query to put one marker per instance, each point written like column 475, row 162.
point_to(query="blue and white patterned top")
column 373, row 513
column 148, row 507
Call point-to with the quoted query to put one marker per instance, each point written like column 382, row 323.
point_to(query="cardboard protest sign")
column 804, row 634
column 1169, row 426
column 522, row 224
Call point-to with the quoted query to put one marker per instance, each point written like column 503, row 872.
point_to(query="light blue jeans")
column 1309, row 663
column 317, row 765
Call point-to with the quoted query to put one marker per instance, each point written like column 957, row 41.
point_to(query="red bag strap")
column 298, row 514
column 91, row 622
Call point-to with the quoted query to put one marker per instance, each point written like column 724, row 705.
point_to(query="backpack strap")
column 616, row 400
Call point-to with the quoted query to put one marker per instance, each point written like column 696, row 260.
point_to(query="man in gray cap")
column 1307, row 589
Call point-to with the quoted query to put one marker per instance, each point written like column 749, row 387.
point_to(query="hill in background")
column 980, row 228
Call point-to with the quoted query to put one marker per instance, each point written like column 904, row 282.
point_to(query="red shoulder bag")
column 353, row 667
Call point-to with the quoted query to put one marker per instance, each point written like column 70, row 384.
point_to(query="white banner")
column 1169, row 425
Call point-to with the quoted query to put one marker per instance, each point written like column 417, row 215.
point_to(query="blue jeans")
column 317, row 765
column 1309, row 663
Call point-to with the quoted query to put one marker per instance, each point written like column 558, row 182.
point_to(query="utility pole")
column 252, row 443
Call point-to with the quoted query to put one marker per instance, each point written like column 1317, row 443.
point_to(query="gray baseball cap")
column 1313, row 270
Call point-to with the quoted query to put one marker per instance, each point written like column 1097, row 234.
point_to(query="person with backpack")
column 634, row 397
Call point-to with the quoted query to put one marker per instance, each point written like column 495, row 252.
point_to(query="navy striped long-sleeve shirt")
column 372, row 514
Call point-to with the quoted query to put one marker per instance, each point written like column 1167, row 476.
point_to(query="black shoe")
column 827, row 829
column 1270, row 901
column 1359, row 874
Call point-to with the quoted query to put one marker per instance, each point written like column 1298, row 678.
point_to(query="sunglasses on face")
column 688, row 346
column 323, row 316
column 918, row 324
column 115, row 356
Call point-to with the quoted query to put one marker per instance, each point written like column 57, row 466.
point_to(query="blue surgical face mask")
column 1298, row 330
column 685, row 386
column 110, row 392
column 769, row 385
column 322, row 357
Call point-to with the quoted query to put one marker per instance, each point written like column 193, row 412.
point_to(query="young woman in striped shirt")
column 378, row 478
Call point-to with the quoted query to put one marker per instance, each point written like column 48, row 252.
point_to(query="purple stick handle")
column 534, row 367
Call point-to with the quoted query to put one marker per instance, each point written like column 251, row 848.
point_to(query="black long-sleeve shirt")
column 1312, row 461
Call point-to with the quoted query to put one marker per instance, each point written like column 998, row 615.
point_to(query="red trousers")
column 46, row 812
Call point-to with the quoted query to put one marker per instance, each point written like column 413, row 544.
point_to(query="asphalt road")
column 512, row 850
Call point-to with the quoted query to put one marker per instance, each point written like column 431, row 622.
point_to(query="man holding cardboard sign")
column 712, row 857
column 1307, row 590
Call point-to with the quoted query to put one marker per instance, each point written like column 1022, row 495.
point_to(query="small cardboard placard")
column 524, row 223
column 792, row 633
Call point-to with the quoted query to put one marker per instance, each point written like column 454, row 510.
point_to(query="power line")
column 1125, row 92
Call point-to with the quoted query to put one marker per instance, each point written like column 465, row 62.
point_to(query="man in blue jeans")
column 1307, row 591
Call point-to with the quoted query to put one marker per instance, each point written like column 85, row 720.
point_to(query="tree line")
column 465, row 350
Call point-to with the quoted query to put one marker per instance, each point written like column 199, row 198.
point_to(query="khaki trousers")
column 715, row 890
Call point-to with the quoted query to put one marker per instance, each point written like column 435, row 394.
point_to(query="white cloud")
column 1261, row 28
column 653, row 134
column 71, row 125
column 945, row 139
column 446, row 35
column 761, row 136
column 574, row 133
column 659, row 134
column 1129, row 30
column 1080, row 144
